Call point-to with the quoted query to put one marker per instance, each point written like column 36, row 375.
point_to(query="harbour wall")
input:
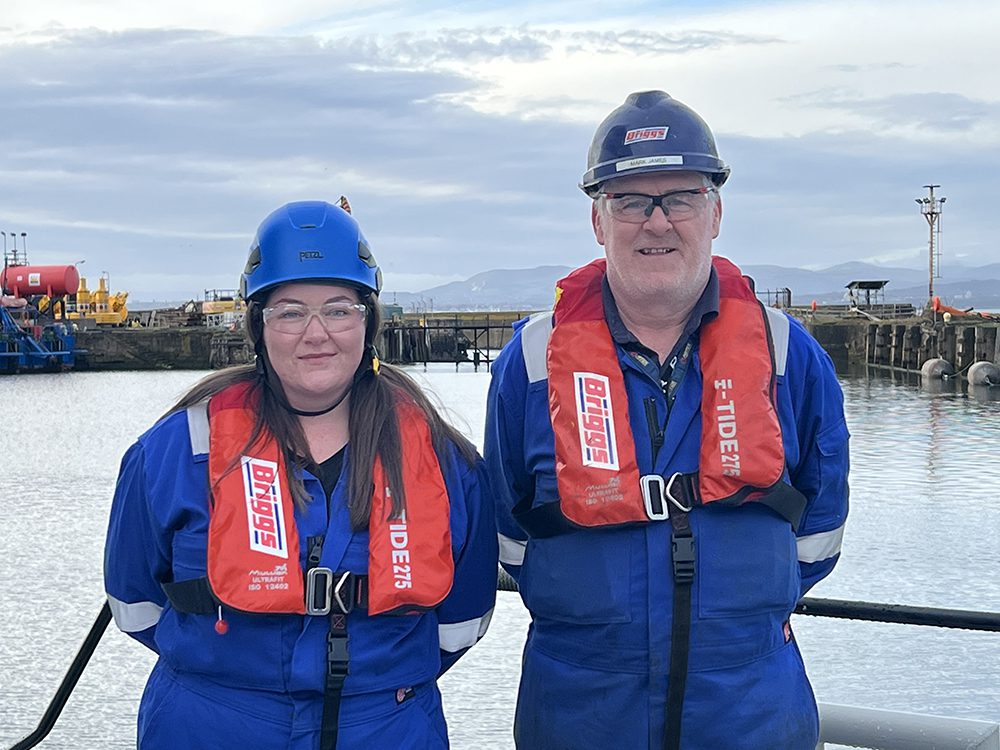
column 476, row 337
column 442, row 337
column 906, row 343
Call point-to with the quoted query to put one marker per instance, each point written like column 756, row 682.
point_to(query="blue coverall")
column 261, row 684
column 597, row 657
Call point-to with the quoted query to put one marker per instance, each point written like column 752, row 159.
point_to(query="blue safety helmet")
column 651, row 132
column 309, row 241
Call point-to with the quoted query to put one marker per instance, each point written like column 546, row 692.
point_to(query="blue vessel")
column 26, row 346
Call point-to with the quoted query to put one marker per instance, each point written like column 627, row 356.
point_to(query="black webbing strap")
column 547, row 520
column 781, row 497
column 682, row 552
column 193, row 597
column 336, row 674
column 787, row 502
column 543, row 521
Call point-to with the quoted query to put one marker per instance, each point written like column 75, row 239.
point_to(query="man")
column 672, row 460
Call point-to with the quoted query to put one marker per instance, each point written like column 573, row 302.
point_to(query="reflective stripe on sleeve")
column 821, row 546
column 778, row 324
column 534, row 344
column 197, row 416
column 132, row 618
column 512, row 550
column 455, row 636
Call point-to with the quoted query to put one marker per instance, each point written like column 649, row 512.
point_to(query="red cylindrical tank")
column 54, row 281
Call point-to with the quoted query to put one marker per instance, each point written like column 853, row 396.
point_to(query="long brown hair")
column 373, row 429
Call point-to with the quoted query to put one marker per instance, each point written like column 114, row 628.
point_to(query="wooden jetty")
column 457, row 337
column 903, row 343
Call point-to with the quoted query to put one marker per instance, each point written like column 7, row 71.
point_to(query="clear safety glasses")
column 678, row 205
column 336, row 317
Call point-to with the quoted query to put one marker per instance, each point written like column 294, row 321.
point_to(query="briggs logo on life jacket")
column 725, row 420
column 263, row 496
column 399, row 537
column 646, row 134
column 596, row 420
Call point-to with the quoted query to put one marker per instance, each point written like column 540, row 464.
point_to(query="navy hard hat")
column 651, row 132
column 309, row 241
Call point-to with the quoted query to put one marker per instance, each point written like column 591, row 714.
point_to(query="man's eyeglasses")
column 678, row 205
column 336, row 317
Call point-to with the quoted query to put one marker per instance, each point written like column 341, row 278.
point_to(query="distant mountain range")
column 532, row 288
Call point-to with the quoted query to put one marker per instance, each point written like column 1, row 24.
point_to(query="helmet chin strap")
column 302, row 413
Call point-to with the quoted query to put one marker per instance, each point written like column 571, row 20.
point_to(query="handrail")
column 855, row 726
column 900, row 613
column 58, row 701
column 903, row 614
column 873, row 611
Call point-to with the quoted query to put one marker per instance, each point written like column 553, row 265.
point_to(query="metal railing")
column 874, row 728
column 898, row 730
column 841, row 725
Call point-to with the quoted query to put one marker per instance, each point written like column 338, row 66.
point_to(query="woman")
column 305, row 543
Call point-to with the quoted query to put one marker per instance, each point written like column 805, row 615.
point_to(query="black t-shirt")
column 328, row 472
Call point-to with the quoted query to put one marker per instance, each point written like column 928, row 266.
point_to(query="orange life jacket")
column 741, row 456
column 253, row 544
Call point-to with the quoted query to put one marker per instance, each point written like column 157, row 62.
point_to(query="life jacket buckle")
column 670, row 495
column 327, row 591
column 319, row 584
column 652, row 497
column 345, row 591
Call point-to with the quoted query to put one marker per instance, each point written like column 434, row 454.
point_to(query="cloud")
column 450, row 45
column 942, row 113
column 642, row 42
column 161, row 149
column 155, row 152
column 867, row 68
column 832, row 197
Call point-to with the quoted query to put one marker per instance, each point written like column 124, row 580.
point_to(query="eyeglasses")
column 336, row 317
column 678, row 205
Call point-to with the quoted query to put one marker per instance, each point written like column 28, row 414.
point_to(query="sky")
column 149, row 140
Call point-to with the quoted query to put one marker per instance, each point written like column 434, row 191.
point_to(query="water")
column 924, row 530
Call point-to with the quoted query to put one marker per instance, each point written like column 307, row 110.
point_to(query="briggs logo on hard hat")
column 596, row 420
column 646, row 134
column 263, row 498
column 310, row 255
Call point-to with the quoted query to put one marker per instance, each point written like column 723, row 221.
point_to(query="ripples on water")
column 924, row 530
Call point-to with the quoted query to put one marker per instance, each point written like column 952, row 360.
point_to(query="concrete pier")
column 411, row 339
column 905, row 344
column 901, row 344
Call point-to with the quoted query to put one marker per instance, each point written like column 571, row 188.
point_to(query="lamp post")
column 931, row 207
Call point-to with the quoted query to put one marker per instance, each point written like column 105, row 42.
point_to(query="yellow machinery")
column 223, row 308
column 100, row 306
